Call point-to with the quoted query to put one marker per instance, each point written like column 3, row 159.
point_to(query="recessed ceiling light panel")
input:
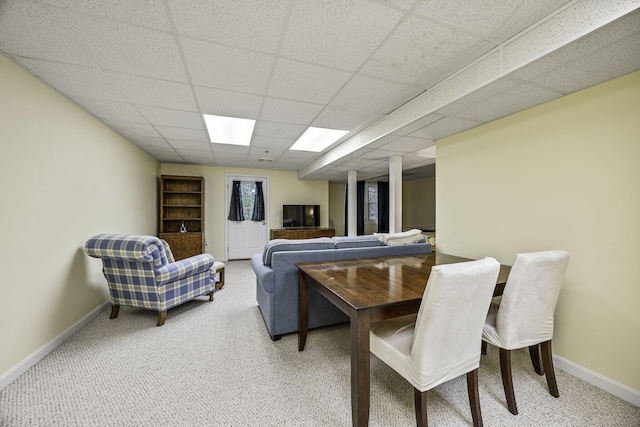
column 317, row 139
column 229, row 130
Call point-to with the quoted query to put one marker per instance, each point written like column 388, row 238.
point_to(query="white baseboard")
column 619, row 390
column 13, row 373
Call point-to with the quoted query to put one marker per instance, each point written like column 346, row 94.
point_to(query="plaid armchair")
column 141, row 272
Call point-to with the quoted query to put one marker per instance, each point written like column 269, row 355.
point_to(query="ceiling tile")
column 278, row 130
column 148, row 13
column 227, row 103
column 344, row 118
column 613, row 61
column 337, row 33
column 418, row 124
column 125, row 48
column 407, row 144
column 183, row 133
column 269, row 142
column 282, row 110
column 589, row 45
column 166, row 156
column 150, row 142
column 175, row 118
column 75, row 80
column 222, row 67
column 374, row 95
column 230, row 149
column 231, row 160
column 445, row 127
column 135, row 130
column 381, row 154
column 197, row 157
column 254, row 25
column 495, row 19
column 305, row 82
column 190, row 145
column 112, row 110
column 605, row 54
column 29, row 30
column 498, row 99
column 408, row 55
column 154, row 92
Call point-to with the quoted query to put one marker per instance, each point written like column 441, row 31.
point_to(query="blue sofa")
column 277, row 276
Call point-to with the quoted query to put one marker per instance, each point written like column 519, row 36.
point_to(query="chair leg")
column 474, row 397
column 420, row 398
column 507, row 380
column 115, row 309
column 547, row 362
column 483, row 347
column 162, row 316
column 211, row 296
column 534, row 354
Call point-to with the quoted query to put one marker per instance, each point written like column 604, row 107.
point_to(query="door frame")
column 229, row 178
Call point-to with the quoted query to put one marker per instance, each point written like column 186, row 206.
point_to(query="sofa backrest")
column 356, row 242
column 286, row 245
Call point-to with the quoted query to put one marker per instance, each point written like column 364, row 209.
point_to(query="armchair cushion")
column 185, row 267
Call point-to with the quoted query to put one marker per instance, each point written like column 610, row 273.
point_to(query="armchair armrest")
column 183, row 268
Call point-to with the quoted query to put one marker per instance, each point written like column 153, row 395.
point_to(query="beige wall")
column 562, row 175
column 419, row 203
column 65, row 176
column 336, row 207
column 284, row 188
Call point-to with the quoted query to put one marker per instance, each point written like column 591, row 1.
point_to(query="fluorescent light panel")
column 229, row 130
column 317, row 139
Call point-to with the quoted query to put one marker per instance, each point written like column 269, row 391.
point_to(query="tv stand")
column 301, row 233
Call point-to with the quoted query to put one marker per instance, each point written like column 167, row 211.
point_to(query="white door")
column 245, row 238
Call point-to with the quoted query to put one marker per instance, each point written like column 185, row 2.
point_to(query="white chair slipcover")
column 443, row 340
column 524, row 316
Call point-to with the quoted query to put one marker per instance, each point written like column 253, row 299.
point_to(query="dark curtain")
column 346, row 209
column 360, row 208
column 383, row 207
column 235, row 208
column 258, row 204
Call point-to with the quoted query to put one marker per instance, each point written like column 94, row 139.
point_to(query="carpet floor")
column 213, row 364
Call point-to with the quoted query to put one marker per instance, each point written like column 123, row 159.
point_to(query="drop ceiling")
column 397, row 74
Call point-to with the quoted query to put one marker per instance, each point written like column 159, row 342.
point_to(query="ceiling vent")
column 265, row 159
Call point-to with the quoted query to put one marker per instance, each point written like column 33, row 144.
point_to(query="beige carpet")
column 213, row 364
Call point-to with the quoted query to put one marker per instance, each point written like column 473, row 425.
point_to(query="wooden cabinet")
column 301, row 233
column 182, row 202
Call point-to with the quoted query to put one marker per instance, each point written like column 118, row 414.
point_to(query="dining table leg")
column 360, row 368
column 303, row 310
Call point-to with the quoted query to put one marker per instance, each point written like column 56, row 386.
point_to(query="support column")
column 395, row 194
column 352, row 196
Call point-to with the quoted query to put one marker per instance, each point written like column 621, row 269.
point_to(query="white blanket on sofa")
column 404, row 238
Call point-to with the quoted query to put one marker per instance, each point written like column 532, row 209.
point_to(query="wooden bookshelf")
column 182, row 202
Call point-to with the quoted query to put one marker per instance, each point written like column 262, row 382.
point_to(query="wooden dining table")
column 369, row 290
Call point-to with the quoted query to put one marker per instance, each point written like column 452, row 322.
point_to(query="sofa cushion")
column 404, row 238
column 356, row 242
column 279, row 245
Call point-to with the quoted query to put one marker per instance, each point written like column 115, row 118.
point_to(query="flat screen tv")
column 300, row 216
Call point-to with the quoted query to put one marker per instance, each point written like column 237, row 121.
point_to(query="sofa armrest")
column 264, row 273
column 183, row 268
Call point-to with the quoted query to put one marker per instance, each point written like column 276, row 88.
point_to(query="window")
column 372, row 202
column 248, row 195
